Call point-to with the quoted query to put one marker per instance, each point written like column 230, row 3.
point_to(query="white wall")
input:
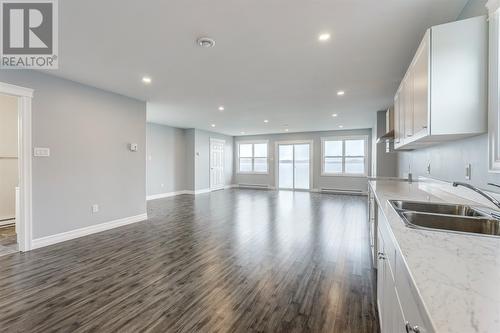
column 88, row 131
column 8, row 156
column 347, row 183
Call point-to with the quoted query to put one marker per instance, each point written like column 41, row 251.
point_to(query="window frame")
column 344, row 156
column 253, row 143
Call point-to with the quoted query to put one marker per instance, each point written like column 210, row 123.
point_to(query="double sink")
column 448, row 217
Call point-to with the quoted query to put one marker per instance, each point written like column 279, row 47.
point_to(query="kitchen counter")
column 457, row 276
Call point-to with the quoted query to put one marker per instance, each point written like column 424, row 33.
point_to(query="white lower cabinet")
column 400, row 309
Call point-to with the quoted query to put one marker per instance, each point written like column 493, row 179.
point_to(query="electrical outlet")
column 468, row 171
column 429, row 168
column 95, row 208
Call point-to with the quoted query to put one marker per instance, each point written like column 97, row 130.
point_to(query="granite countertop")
column 456, row 275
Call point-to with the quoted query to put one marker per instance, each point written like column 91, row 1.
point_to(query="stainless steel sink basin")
column 476, row 225
column 448, row 217
column 436, row 208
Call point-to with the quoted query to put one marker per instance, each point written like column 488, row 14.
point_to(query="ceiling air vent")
column 205, row 42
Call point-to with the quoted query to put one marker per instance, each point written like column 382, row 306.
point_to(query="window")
column 252, row 157
column 342, row 156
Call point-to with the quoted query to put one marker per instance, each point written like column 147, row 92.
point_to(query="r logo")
column 27, row 27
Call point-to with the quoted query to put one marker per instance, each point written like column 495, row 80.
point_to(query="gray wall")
column 189, row 135
column 166, row 171
column 351, row 183
column 384, row 164
column 473, row 8
column 202, row 158
column 180, row 159
column 448, row 160
column 88, row 131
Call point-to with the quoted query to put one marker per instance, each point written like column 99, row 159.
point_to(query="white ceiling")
column 267, row 63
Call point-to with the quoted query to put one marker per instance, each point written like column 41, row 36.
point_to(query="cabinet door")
column 409, row 104
column 398, row 323
column 397, row 112
column 382, row 313
column 421, row 87
column 402, row 113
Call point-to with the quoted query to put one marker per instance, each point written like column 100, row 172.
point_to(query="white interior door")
column 294, row 166
column 216, row 164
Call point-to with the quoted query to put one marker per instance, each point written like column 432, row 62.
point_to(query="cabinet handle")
column 424, row 127
column 381, row 255
column 411, row 329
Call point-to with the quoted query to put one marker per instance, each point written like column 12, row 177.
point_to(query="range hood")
column 389, row 136
column 385, row 131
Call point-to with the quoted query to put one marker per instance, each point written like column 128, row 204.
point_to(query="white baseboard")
column 165, row 195
column 171, row 194
column 205, row 190
column 68, row 235
column 7, row 222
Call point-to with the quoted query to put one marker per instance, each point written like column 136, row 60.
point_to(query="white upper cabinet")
column 443, row 95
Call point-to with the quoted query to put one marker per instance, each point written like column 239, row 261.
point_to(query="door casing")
column 212, row 185
column 311, row 162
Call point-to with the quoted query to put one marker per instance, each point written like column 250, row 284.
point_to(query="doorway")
column 216, row 164
column 9, row 173
column 294, row 171
column 23, row 200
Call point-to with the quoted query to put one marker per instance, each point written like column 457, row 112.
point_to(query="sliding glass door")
column 294, row 166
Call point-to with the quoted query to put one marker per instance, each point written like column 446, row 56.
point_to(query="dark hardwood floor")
column 229, row 261
column 8, row 239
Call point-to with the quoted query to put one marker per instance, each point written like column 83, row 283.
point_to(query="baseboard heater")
column 255, row 186
column 342, row 191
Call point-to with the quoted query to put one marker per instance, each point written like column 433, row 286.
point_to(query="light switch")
column 41, row 152
column 133, row 147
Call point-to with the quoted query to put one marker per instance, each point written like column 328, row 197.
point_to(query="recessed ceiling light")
column 221, row 108
column 205, row 42
column 334, row 115
column 266, row 121
column 213, row 125
column 340, row 93
column 324, row 37
column 146, row 79
column 341, row 126
column 286, row 129
column 242, row 132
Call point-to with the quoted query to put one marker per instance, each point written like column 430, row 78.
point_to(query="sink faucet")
column 472, row 187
